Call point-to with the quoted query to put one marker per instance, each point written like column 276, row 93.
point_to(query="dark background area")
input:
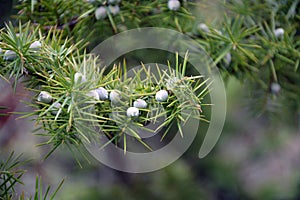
column 6, row 9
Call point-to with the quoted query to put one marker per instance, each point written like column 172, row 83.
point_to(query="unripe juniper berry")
column 10, row 55
column 100, row 13
column 161, row 96
column 35, row 45
column 275, row 88
column 132, row 112
column 114, row 10
column 140, row 103
column 227, row 59
column 114, row 96
column 93, row 94
column 203, row 27
column 56, row 107
column 173, row 5
column 44, row 97
column 79, row 78
column 279, row 32
column 102, row 92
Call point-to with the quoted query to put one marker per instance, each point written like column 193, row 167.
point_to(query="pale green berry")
column 173, row 5
column 79, row 78
column 10, row 55
column 93, row 94
column 102, row 92
column 114, row 10
column 203, row 27
column 162, row 96
column 35, row 45
column 140, row 103
column 100, row 13
column 114, row 96
column 227, row 59
column 279, row 32
column 55, row 108
column 275, row 88
column 133, row 112
column 44, row 97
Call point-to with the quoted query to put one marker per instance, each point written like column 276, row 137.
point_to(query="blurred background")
column 256, row 157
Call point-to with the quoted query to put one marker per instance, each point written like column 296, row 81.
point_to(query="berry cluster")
column 66, row 85
column 74, row 92
column 121, row 102
column 112, row 8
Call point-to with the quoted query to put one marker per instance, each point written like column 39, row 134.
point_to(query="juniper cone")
column 114, row 10
column 93, row 94
column 100, row 13
column 140, row 103
column 203, row 27
column 279, row 32
column 173, row 5
column 103, row 93
column 56, row 107
column 227, row 59
column 79, row 78
column 132, row 112
column 161, row 96
column 44, row 97
column 114, row 96
column 35, row 45
column 275, row 88
column 10, row 55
